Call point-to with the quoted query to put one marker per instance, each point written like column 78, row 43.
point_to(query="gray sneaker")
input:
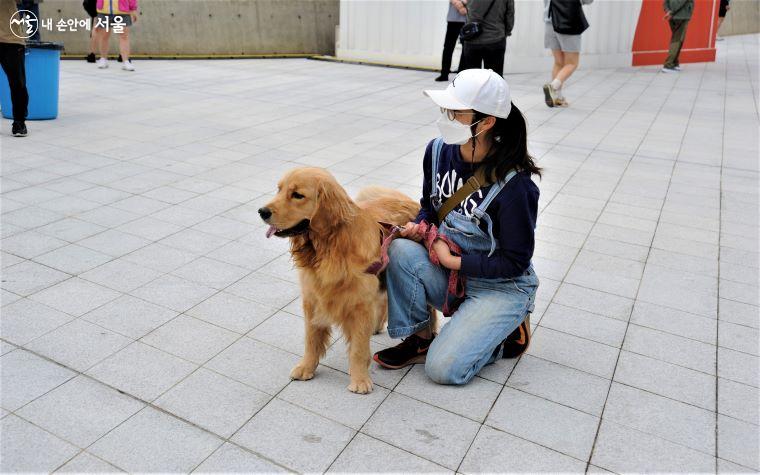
column 550, row 94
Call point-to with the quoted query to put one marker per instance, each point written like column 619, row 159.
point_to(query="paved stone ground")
column 148, row 325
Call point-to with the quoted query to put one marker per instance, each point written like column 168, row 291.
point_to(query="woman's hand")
column 445, row 257
column 411, row 231
column 133, row 16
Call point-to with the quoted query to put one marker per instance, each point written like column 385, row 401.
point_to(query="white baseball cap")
column 479, row 89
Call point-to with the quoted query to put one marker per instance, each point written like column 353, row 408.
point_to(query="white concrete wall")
column 410, row 33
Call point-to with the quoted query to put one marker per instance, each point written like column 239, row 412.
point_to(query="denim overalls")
column 492, row 308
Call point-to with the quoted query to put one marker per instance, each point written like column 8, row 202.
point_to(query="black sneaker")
column 442, row 78
column 411, row 350
column 119, row 59
column 517, row 341
column 19, row 129
column 90, row 58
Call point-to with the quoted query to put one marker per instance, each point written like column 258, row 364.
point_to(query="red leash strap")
column 429, row 234
column 456, row 285
column 388, row 234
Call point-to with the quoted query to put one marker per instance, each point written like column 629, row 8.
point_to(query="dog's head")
column 307, row 199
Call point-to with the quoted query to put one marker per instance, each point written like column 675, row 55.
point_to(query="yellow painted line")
column 370, row 63
column 317, row 57
column 201, row 56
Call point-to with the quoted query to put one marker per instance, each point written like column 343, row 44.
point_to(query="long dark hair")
column 509, row 145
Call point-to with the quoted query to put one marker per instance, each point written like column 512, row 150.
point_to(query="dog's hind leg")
column 381, row 316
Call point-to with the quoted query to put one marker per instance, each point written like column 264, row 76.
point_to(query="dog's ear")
column 334, row 206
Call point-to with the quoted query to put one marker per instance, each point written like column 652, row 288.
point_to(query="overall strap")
column 480, row 212
column 495, row 190
column 437, row 147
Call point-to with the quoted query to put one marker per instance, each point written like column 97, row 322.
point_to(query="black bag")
column 567, row 17
column 473, row 29
column 90, row 6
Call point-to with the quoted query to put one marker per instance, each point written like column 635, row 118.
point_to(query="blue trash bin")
column 42, row 70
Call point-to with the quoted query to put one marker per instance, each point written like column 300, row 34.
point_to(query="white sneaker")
column 669, row 70
column 102, row 63
column 127, row 66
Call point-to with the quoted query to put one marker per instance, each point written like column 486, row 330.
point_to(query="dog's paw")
column 360, row 385
column 301, row 372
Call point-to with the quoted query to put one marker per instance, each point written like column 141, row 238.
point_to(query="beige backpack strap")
column 476, row 182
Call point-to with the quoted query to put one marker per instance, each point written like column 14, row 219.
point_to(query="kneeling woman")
column 483, row 132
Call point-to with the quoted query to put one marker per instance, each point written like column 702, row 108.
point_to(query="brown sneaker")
column 413, row 349
column 517, row 341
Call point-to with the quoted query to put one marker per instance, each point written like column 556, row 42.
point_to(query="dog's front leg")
column 358, row 332
column 317, row 338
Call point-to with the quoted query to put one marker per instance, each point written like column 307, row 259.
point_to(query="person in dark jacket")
column 493, row 226
column 564, row 23
column 454, row 22
column 496, row 17
column 678, row 14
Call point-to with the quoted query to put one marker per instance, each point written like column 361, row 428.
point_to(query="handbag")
column 473, row 29
column 567, row 17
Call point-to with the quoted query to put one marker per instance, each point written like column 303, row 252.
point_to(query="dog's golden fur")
column 342, row 240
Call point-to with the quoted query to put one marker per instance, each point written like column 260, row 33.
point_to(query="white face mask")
column 454, row 132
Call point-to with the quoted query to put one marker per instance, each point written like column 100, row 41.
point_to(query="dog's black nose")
column 265, row 213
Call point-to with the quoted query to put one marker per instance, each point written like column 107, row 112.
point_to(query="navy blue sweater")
column 513, row 212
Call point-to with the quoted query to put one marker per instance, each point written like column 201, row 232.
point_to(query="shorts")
column 559, row 42
column 723, row 8
column 113, row 20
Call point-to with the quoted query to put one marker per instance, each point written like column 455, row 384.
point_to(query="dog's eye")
column 297, row 196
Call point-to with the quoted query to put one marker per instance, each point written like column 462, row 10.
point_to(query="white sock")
column 556, row 83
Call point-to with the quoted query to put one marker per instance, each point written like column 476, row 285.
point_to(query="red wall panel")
column 650, row 43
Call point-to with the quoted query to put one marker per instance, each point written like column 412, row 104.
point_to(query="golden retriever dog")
column 333, row 241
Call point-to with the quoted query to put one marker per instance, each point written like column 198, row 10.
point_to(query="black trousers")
column 678, row 28
column 490, row 56
column 449, row 43
column 12, row 59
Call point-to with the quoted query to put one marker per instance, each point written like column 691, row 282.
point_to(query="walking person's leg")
column 124, row 50
column 559, row 61
column 12, row 57
column 552, row 42
column 681, row 33
column 449, row 43
column 103, row 36
column 493, row 59
column 571, row 60
column 94, row 47
column 472, row 56
column 675, row 45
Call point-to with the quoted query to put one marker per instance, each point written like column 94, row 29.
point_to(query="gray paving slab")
column 646, row 250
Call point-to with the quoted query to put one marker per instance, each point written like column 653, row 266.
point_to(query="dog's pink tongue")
column 271, row 231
